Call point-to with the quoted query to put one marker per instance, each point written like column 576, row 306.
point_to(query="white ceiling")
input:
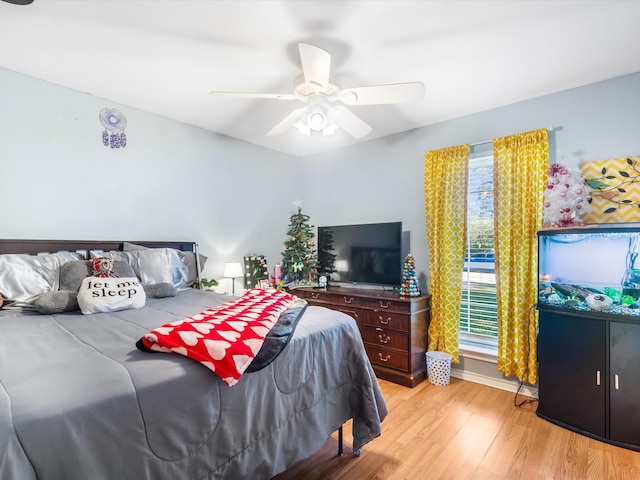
column 165, row 56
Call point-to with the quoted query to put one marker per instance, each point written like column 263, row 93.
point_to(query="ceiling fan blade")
column 383, row 94
column 271, row 96
column 316, row 64
column 287, row 122
column 349, row 122
column 19, row 2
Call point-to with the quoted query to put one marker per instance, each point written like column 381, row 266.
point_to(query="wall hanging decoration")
column 114, row 123
column 615, row 188
column 566, row 198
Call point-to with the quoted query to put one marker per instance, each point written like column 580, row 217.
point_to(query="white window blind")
column 478, row 312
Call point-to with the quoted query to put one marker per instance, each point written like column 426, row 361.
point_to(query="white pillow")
column 99, row 294
column 24, row 277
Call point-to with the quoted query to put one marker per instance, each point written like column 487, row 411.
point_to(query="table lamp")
column 232, row 270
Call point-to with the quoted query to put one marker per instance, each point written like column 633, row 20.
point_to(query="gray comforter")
column 79, row 401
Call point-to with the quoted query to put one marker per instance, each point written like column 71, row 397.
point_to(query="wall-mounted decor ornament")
column 114, row 124
column 615, row 188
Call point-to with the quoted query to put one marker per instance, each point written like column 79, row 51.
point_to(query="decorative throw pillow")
column 71, row 276
column 99, row 294
column 73, row 273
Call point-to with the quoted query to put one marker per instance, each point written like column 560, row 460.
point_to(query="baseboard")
column 501, row 383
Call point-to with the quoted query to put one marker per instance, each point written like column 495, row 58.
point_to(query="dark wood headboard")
column 34, row 247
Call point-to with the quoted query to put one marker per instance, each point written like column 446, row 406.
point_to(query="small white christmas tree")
column 566, row 198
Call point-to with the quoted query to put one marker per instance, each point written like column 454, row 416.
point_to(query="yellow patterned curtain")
column 521, row 163
column 445, row 194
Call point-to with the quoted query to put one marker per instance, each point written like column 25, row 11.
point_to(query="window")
column 478, row 312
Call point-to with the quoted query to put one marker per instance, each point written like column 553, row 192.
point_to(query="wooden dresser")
column 393, row 328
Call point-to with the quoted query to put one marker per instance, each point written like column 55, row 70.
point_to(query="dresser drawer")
column 385, row 338
column 387, row 358
column 387, row 320
column 333, row 298
column 387, row 305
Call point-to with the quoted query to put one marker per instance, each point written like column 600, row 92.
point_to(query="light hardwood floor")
column 467, row 431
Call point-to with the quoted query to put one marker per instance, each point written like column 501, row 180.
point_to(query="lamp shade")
column 232, row 270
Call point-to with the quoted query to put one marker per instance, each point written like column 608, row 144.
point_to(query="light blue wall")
column 172, row 181
column 178, row 182
column 382, row 180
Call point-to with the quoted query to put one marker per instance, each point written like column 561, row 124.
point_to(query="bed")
column 78, row 400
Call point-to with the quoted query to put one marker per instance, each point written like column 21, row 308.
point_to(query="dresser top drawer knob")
column 348, row 300
column 385, row 304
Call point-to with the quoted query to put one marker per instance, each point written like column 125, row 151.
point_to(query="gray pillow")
column 56, row 302
column 160, row 290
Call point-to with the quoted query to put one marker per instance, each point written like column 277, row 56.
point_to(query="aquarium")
column 590, row 269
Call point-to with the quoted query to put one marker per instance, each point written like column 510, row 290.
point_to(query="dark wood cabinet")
column 572, row 366
column 588, row 374
column 624, row 383
column 393, row 328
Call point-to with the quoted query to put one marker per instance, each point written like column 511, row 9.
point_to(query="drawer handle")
column 348, row 300
column 384, row 359
column 384, row 304
column 315, row 296
column 383, row 321
column 384, row 338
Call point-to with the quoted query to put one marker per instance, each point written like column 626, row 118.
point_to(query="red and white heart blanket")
column 226, row 338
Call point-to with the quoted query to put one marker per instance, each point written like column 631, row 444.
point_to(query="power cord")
column 525, row 401
column 531, row 316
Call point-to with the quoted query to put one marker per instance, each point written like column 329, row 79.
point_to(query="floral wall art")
column 615, row 190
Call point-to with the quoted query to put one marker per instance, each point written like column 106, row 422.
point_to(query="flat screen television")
column 368, row 254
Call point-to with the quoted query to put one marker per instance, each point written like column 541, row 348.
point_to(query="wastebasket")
column 438, row 368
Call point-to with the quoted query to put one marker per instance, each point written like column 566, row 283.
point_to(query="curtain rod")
column 549, row 129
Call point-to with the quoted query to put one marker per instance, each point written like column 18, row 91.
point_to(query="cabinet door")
column 571, row 371
column 624, row 383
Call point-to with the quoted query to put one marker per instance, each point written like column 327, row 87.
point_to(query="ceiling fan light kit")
column 322, row 91
column 316, row 118
column 317, row 121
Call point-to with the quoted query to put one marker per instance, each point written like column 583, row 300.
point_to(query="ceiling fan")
column 323, row 95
